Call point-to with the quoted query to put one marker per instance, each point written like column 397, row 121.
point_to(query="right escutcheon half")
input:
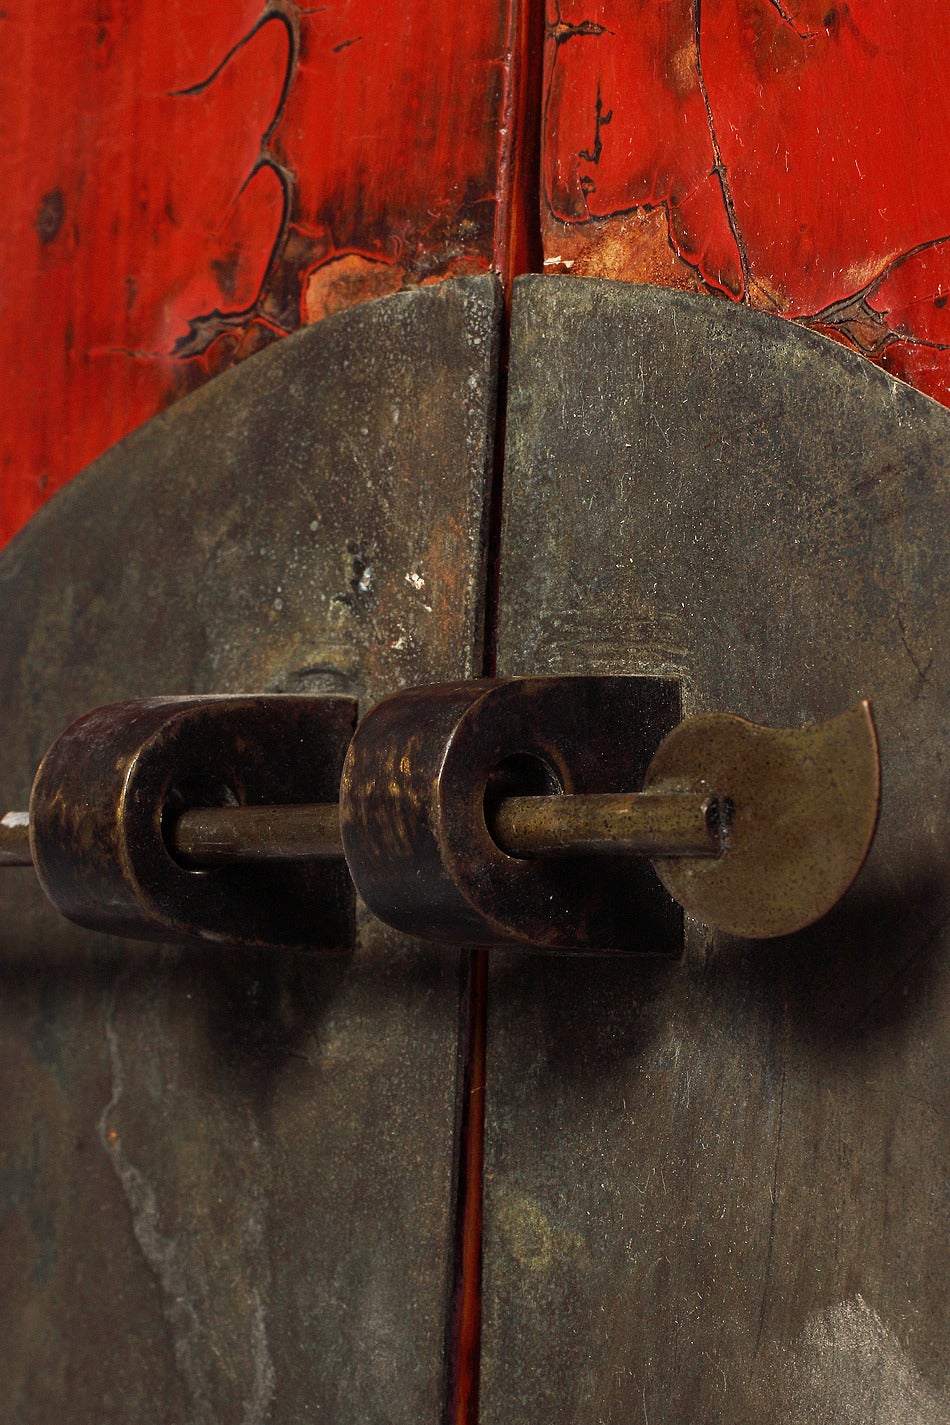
column 715, row 1187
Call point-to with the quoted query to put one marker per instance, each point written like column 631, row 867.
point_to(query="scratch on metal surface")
column 257, row 1408
column 921, row 669
column 767, row 1276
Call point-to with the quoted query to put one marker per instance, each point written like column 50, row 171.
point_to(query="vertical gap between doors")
column 517, row 250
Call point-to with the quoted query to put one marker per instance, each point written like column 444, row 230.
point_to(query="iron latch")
column 504, row 811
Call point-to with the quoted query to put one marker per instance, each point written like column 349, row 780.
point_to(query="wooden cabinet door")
column 715, row 1189
column 228, row 1177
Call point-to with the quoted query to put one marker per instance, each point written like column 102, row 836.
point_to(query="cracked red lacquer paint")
column 785, row 153
column 188, row 179
column 655, row 155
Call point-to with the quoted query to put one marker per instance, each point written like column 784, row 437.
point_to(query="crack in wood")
column 719, row 166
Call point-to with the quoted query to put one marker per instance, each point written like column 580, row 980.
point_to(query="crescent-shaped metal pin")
column 797, row 811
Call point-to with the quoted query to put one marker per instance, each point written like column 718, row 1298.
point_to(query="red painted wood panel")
column 188, row 179
column 186, row 182
column 785, row 153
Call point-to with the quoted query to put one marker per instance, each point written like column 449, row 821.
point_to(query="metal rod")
column 622, row 823
column 218, row 836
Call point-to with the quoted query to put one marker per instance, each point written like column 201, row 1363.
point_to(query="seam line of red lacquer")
column 517, row 250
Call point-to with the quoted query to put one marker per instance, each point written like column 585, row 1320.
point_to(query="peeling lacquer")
column 779, row 154
column 187, row 182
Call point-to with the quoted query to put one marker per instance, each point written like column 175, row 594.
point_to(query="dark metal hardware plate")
column 711, row 1184
column 227, row 1186
column 714, row 1187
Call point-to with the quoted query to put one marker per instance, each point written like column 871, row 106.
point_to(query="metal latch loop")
column 520, row 811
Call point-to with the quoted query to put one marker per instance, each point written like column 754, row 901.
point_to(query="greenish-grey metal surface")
column 226, row 1190
column 716, row 1190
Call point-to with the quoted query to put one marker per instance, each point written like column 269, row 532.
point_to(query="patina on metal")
column 427, row 769
column 228, row 1184
column 610, row 823
column 110, row 789
column 714, row 1185
column 756, row 831
column 795, row 810
column 227, row 836
column 133, row 798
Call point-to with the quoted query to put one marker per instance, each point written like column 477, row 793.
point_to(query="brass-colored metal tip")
column 804, row 809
